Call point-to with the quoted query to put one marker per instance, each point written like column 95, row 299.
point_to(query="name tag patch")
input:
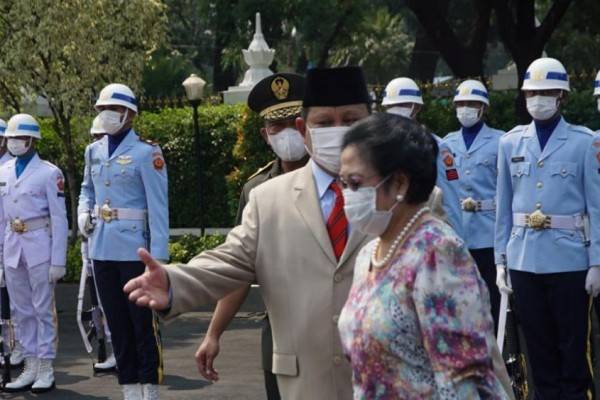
column 517, row 159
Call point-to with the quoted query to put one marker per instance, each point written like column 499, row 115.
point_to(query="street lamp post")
column 194, row 90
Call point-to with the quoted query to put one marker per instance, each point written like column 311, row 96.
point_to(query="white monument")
column 258, row 57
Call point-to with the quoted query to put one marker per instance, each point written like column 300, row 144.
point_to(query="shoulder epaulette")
column 261, row 170
column 148, row 141
column 516, row 129
column 582, row 129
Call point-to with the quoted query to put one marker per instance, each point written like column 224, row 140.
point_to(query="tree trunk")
column 424, row 58
column 62, row 125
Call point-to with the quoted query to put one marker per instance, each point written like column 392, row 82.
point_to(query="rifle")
column 514, row 358
column 90, row 322
column 7, row 337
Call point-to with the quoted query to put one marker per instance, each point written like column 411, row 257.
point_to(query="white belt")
column 471, row 205
column 17, row 225
column 538, row 220
column 108, row 214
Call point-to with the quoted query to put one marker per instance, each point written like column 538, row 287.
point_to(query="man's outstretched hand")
column 151, row 289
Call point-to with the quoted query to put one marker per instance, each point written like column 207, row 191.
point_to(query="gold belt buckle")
column 470, row 205
column 537, row 220
column 18, row 226
column 106, row 213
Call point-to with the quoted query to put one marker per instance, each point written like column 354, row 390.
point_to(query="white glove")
column 502, row 280
column 592, row 281
column 2, row 281
column 56, row 273
column 84, row 223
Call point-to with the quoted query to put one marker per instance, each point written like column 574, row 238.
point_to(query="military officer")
column 548, row 185
column 34, row 219
column 403, row 97
column 278, row 100
column 475, row 150
column 125, row 187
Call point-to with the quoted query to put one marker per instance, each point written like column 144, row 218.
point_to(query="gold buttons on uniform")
column 539, row 185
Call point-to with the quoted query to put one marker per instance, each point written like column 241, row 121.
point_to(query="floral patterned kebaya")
column 420, row 328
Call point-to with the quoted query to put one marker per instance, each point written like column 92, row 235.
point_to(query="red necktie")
column 337, row 224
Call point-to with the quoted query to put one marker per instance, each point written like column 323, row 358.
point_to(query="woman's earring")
column 400, row 198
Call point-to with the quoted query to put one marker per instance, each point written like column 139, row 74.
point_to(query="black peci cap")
column 332, row 87
column 278, row 96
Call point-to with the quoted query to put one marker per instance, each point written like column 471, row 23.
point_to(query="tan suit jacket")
column 283, row 245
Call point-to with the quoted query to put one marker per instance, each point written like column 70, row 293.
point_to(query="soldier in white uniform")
column 33, row 253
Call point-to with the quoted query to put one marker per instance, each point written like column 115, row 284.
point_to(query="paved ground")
column 238, row 364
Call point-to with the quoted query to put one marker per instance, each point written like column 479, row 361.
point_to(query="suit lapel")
column 307, row 202
column 557, row 139
column 532, row 142
column 125, row 145
column 355, row 241
column 30, row 168
column 480, row 139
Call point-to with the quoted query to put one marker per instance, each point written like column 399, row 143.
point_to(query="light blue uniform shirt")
column 133, row 177
column 447, row 180
column 477, row 169
column 563, row 179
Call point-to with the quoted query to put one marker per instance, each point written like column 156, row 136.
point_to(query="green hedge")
column 181, row 250
column 234, row 149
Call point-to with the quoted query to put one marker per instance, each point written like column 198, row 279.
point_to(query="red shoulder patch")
column 60, row 184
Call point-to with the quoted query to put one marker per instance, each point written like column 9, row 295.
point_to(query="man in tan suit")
column 295, row 242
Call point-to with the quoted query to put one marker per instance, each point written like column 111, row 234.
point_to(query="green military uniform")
column 275, row 98
column 271, row 170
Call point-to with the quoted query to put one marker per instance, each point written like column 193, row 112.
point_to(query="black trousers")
column 484, row 258
column 271, row 386
column 554, row 312
column 134, row 330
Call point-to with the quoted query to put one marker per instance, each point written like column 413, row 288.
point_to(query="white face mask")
column 542, row 108
column 112, row 121
column 361, row 210
column 405, row 112
column 17, row 147
column 468, row 116
column 288, row 144
column 327, row 146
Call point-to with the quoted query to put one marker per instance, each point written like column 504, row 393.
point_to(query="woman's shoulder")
column 436, row 232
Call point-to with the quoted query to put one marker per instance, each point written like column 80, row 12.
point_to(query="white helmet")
column 472, row 90
column 117, row 94
column 97, row 128
column 546, row 74
column 597, row 85
column 2, row 127
column 23, row 125
column 401, row 90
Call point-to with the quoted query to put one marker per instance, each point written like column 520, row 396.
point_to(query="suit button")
column 106, row 183
column 538, row 205
column 335, row 319
column 337, row 278
column 540, row 164
column 337, row 360
column 468, row 172
column 539, row 185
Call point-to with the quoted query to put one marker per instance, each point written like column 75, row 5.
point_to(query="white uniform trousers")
column 32, row 298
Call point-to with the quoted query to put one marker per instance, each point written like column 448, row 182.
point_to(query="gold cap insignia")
column 280, row 87
column 538, row 75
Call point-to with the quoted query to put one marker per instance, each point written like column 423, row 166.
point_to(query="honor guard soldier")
column 548, row 186
column 34, row 218
column 475, row 150
column 4, row 154
column 278, row 100
column 597, row 93
column 403, row 97
column 124, row 189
